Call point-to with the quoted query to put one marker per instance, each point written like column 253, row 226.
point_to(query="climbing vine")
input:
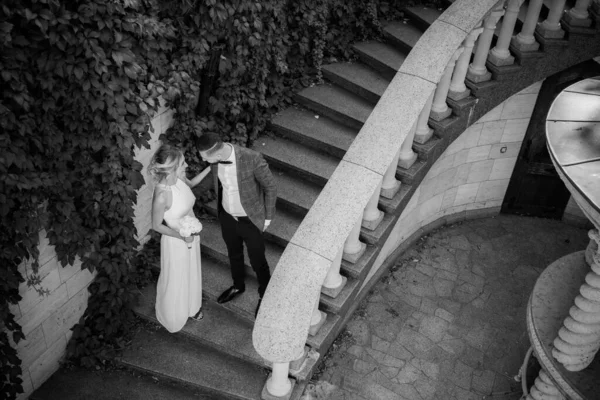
column 80, row 81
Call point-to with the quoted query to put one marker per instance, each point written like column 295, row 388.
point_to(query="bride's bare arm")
column 198, row 178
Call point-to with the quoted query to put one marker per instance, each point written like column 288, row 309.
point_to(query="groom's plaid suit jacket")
column 258, row 192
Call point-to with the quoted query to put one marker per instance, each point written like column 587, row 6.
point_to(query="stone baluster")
column 423, row 131
column 372, row 216
column 354, row 248
column 550, row 28
column 278, row 384
column 544, row 388
column 500, row 55
column 407, row 155
column 391, row 185
column 578, row 340
column 439, row 107
column 458, row 89
column 334, row 282
column 317, row 320
column 579, row 15
column 477, row 71
column 525, row 41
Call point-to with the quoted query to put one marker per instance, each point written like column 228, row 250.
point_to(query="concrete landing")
column 449, row 321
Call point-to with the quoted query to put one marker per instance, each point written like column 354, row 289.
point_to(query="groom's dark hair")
column 208, row 141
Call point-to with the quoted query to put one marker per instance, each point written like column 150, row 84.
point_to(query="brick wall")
column 47, row 320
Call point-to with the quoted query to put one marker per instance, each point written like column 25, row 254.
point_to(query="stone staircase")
column 216, row 356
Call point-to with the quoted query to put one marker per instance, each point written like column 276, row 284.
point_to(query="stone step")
column 392, row 205
column 341, row 302
column 178, row 359
column 300, row 160
column 357, row 78
column 313, row 130
column 413, row 174
column 426, row 150
column 382, row 57
column 76, row 384
column 402, row 34
column 374, row 236
column 220, row 329
column 358, row 269
column 213, row 245
column 216, row 278
column 294, row 193
column 422, row 16
column 336, row 103
column 282, row 227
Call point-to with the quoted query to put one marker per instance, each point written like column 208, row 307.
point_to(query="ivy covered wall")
column 80, row 82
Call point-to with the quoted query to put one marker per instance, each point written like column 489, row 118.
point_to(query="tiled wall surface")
column 46, row 320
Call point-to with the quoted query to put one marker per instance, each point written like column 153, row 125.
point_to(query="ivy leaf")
column 118, row 57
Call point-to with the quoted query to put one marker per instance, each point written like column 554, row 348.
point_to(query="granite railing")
column 436, row 68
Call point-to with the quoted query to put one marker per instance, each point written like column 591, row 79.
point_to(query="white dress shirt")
column 231, row 192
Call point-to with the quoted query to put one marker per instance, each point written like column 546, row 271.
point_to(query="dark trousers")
column 236, row 233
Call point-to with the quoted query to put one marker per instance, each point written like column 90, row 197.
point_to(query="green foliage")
column 80, row 81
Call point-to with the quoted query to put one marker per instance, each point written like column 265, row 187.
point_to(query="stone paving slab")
column 448, row 321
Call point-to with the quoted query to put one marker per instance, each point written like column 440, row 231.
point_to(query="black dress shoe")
column 229, row 294
column 257, row 307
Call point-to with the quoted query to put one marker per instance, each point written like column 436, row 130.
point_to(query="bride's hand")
column 188, row 239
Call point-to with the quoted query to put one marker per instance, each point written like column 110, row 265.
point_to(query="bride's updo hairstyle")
column 164, row 162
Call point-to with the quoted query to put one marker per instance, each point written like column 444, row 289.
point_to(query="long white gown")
column 179, row 287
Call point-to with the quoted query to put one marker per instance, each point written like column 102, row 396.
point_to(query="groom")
column 246, row 196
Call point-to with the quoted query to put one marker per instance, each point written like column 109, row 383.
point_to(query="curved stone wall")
column 470, row 178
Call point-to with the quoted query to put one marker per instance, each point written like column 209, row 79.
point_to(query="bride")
column 179, row 287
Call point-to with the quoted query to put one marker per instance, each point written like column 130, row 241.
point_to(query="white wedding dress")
column 179, row 287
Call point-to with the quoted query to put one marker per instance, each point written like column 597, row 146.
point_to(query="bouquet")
column 189, row 226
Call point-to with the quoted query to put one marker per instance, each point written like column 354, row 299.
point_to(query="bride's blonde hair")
column 165, row 160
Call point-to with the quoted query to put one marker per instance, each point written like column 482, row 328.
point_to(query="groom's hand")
column 267, row 223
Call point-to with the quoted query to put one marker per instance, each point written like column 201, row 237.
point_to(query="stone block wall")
column 47, row 320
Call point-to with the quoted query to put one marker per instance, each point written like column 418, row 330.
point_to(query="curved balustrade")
column 330, row 231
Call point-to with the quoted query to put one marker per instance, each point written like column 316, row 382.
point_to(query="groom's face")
column 211, row 156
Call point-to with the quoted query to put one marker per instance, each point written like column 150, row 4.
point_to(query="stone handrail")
column 292, row 298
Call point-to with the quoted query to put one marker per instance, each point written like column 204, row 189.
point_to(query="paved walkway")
column 448, row 322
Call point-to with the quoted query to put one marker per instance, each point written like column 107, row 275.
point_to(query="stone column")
column 407, row 155
column 423, row 132
column 354, row 248
column 477, row 70
column 372, row 215
column 458, row 89
column 544, row 388
column 525, row 41
column 334, row 282
column 317, row 320
column 578, row 340
column 550, row 28
column 579, row 15
column 391, row 185
column 278, row 385
column 500, row 55
column 439, row 108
